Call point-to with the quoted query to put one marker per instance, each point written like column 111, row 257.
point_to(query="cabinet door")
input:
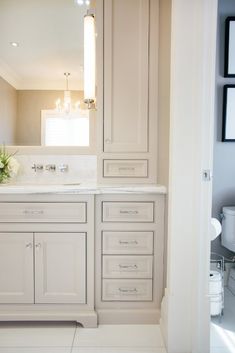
column 60, row 268
column 16, row 268
column 126, row 73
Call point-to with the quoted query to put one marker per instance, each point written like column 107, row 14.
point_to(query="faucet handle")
column 50, row 167
column 37, row 167
column 63, row 168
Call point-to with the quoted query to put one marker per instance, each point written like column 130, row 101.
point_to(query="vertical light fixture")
column 89, row 59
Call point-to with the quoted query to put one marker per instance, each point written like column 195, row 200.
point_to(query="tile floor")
column 71, row 338
column 223, row 333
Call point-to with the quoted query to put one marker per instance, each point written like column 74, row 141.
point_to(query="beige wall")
column 8, row 111
column 30, row 104
column 164, row 90
column 164, row 107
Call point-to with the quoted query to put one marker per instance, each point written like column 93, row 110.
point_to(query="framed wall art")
column 228, row 128
column 229, row 62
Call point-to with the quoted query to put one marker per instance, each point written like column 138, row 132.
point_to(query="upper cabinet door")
column 16, row 268
column 126, row 75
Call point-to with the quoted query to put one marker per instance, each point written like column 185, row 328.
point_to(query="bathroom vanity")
column 88, row 254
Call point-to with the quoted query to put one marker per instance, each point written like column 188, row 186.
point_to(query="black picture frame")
column 229, row 57
column 228, row 125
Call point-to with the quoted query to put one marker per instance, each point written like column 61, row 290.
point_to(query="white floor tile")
column 221, row 350
column 37, row 334
column 120, row 336
column 216, row 336
column 117, row 350
column 223, row 333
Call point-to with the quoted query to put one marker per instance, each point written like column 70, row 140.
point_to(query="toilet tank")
column 228, row 228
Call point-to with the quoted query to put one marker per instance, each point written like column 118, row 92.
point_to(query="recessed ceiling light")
column 79, row 2
column 14, row 44
column 83, row 2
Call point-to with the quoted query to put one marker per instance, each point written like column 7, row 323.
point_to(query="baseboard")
column 131, row 316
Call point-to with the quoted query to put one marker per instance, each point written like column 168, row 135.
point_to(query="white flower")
column 13, row 166
column 1, row 165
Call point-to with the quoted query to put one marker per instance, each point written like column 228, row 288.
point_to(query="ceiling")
column 50, row 37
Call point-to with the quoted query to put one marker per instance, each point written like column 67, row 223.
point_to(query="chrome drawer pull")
column 33, row 212
column 126, row 168
column 38, row 245
column 131, row 212
column 126, row 290
column 128, row 266
column 131, row 242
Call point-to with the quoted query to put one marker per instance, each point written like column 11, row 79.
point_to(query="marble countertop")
column 81, row 189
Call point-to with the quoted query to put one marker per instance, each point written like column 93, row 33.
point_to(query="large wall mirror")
column 40, row 41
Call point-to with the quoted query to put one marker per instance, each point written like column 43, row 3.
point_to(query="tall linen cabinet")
column 127, row 63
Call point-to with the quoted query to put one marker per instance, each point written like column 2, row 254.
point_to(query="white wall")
column 185, row 307
column 224, row 164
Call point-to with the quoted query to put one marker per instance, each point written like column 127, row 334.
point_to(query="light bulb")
column 67, row 102
column 58, row 105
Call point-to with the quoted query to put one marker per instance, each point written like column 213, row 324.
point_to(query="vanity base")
column 87, row 319
column 128, row 317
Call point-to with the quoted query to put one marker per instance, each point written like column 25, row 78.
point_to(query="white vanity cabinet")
column 16, row 268
column 129, row 258
column 82, row 257
column 60, row 268
column 43, row 268
column 47, row 258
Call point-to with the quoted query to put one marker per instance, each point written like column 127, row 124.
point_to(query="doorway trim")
column 185, row 318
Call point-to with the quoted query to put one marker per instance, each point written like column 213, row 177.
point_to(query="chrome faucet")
column 50, row 167
column 37, row 167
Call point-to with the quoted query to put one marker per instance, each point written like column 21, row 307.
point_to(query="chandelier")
column 66, row 106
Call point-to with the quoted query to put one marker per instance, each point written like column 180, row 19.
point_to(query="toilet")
column 228, row 228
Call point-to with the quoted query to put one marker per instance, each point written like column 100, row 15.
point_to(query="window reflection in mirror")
column 60, row 129
column 48, row 41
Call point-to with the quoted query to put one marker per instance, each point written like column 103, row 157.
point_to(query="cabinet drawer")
column 127, row 266
column 127, row 243
column 128, row 211
column 43, row 212
column 127, row 290
column 121, row 168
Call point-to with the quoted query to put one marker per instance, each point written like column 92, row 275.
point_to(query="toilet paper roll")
column 216, row 228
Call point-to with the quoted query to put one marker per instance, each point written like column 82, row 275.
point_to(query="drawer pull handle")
column 131, row 212
column 33, row 212
column 128, row 290
column 130, row 242
column 126, row 168
column 38, row 245
column 134, row 267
